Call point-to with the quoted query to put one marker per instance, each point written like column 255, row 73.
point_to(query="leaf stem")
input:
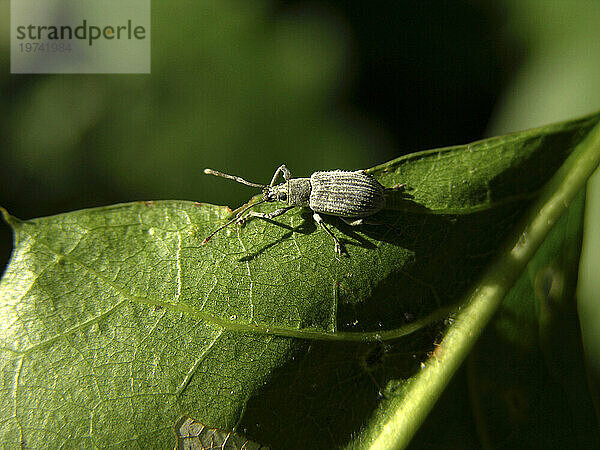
column 405, row 413
column 308, row 333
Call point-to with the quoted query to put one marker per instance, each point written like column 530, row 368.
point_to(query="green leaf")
column 117, row 321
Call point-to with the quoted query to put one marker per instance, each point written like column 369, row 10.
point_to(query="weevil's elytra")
column 348, row 195
column 345, row 194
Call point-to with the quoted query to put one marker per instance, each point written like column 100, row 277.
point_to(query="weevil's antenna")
column 232, row 177
column 235, row 219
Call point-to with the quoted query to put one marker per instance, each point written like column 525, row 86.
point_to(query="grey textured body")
column 345, row 194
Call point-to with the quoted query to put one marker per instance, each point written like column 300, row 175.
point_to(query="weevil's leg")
column 283, row 170
column 319, row 220
column 361, row 221
column 277, row 212
column 398, row 187
column 237, row 219
column 353, row 222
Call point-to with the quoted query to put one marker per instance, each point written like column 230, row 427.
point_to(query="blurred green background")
column 244, row 86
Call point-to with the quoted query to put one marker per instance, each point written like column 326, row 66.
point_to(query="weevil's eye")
column 282, row 197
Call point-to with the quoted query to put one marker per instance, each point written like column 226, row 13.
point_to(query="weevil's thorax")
column 298, row 191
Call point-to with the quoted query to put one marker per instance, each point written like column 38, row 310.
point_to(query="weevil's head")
column 294, row 192
column 277, row 193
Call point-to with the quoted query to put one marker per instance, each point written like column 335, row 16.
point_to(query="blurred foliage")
column 560, row 75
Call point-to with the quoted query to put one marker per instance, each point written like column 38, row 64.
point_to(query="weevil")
column 351, row 196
